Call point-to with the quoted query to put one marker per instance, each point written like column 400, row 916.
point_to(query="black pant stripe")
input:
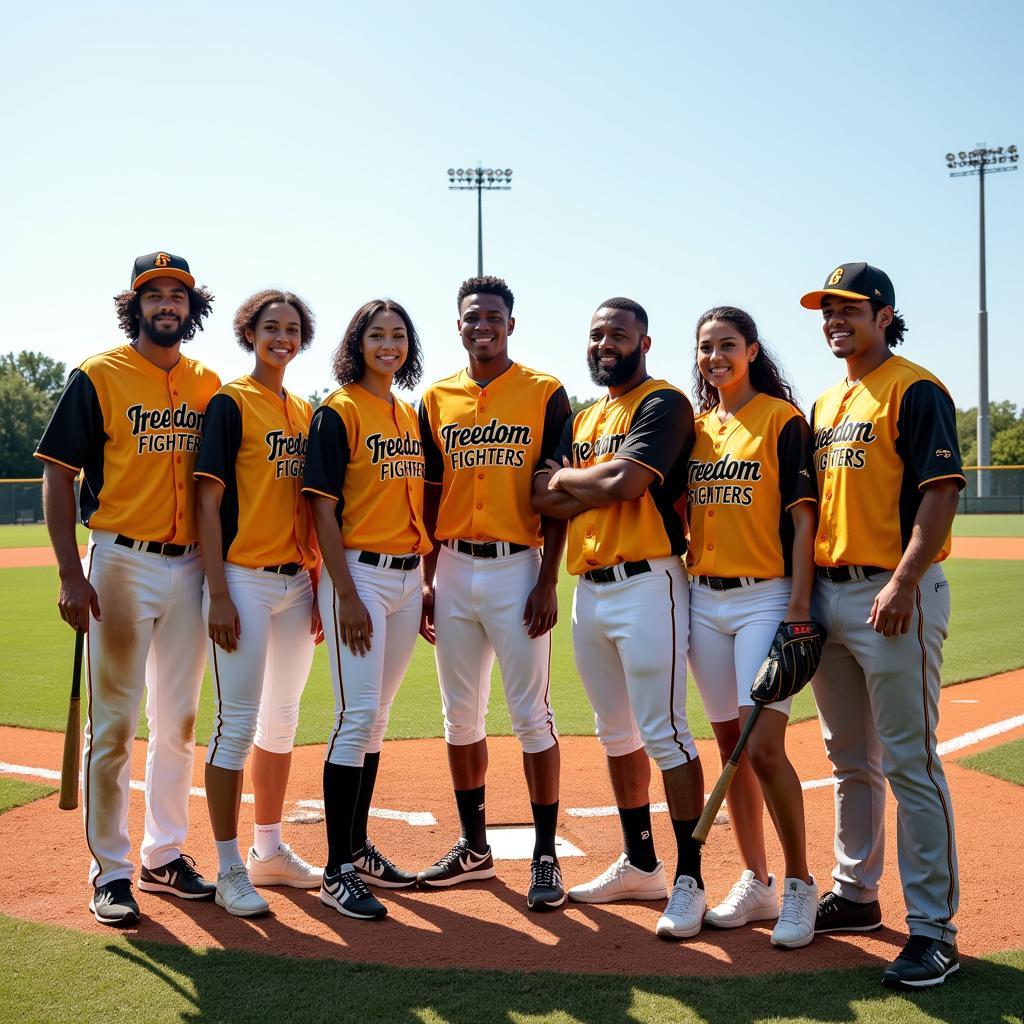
column 672, row 680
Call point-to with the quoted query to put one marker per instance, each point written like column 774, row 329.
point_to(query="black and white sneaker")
column 924, row 962
column 344, row 890
column 114, row 904
column 837, row 914
column 375, row 869
column 179, row 878
column 546, row 889
column 459, row 864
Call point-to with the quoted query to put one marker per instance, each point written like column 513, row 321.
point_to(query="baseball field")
column 475, row 954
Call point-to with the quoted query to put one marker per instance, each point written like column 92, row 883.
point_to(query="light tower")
column 480, row 180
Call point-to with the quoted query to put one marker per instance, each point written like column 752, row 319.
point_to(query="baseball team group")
column 232, row 523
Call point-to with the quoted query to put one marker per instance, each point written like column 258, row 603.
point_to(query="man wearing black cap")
column 130, row 420
column 889, row 476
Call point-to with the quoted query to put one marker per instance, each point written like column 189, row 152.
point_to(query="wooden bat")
column 707, row 819
column 72, row 735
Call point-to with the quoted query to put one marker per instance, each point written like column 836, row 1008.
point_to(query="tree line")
column 31, row 383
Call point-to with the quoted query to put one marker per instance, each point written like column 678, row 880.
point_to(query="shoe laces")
column 375, row 860
column 186, row 866
column 118, row 889
column 239, row 881
column 351, row 881
column 740, row 893
column 828, row 904
column 453, row 855
column 794, row 906
column 680, row 899
column 916, row 948
column 545, row 872
column 612, row 872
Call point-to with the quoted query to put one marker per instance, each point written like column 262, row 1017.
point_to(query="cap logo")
column 837, row 276
column 878, row 293
column 162, row 260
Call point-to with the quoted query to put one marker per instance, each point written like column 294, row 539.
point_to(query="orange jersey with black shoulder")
column 744, row 476
column 483, row 444
column 254, row 443
column 134, row 430
column 653, row 426
column 366, row 454
column 877, row 444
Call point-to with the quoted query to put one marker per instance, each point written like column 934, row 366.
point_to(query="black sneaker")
column 114, row 904
column 375, row 869
column 179, row 878
column 344, row 890
column 924, row 962
column 459, row 864
column 838, row 914
column 546, row 891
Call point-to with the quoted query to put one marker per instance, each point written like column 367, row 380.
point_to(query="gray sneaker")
column 236, row 894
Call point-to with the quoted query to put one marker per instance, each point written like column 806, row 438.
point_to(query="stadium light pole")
column 480, row 180
column 963, row 164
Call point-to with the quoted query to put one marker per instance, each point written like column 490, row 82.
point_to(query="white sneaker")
column 236, row 894
column 748, row 900
column 285, row 867
column 796, row 920
column 622, row 881
column 685, row 911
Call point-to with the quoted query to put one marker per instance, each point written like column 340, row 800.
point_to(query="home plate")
column 515, row 843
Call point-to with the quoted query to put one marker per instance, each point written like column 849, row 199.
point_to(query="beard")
column 162, row 336
column 614, row 376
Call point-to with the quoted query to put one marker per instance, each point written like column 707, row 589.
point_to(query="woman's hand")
column 225, row 628
column 354, row 626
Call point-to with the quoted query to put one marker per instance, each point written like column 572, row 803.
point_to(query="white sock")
column 228, row 854
column 266, row 839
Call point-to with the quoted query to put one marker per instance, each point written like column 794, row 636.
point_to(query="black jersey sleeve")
column 75, row 433
column 433, row 468
column 222, row 437
column 563, row 449
column 327, row 456
column 926, row 434
column 557, row 411
column 661, row 432
column 797, row 481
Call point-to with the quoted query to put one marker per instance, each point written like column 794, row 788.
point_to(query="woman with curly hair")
column 752, row 507
column 364, row 481
column 261, row 562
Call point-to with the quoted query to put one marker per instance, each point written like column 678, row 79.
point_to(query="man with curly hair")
column 130, row 421
column 485, row 430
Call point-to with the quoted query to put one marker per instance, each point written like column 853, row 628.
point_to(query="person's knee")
column 766, row 759
column 462, row 734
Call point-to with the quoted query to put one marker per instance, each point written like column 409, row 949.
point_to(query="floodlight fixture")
column 479, row 179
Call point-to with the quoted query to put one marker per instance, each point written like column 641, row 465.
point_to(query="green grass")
column 16, row 793
column 32, row 535
column 988, row 526
column 36, row 672
column 56, row 976
column 1004, row 762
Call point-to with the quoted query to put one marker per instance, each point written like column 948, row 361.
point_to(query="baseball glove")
column 792, row 660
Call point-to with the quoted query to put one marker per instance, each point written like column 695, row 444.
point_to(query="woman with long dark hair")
column 752, row 503
column 364, row 482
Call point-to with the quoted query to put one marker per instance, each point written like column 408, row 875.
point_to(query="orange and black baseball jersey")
column 877, row 444
column 254, row 443
column 367, row 454
column 651, row 425
column 744, row 476
column 135, row 430
column 483, row 445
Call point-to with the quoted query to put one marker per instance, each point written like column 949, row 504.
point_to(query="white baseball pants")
column 257, row 687
column 150, row 637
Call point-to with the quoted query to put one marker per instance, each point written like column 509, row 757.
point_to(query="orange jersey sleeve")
column 134, row 430
column 482, row 447
column 254, row 443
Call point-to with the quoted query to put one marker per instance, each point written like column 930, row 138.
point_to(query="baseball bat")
column 707, row 819
column 72, row 735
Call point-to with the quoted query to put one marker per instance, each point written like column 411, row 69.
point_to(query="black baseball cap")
column 854, row 281
column 161, row 264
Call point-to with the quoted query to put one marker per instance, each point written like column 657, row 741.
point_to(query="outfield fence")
column 21, row 499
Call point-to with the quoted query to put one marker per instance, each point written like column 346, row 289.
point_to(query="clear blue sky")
column 683, row 154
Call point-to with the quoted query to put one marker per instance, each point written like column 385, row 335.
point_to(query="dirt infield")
column 487, row 925
column 963, row 547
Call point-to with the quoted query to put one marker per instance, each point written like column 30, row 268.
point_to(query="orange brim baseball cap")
column 161, row 264
column 859, row 281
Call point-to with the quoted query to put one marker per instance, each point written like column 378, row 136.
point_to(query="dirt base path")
column 487, row 925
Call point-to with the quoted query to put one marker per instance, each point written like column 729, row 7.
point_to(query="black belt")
column 487, row 549
column 618, row 573
column 154, row 547
column 399, row 562
column 728, row 582
column 286, row 569
column 846, row 573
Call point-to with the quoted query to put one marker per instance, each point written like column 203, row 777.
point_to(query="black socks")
column 689, row 850
column 637, row 837
column 472, row 817
column 362, row 809
column 341, row 793
column 545, row 820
